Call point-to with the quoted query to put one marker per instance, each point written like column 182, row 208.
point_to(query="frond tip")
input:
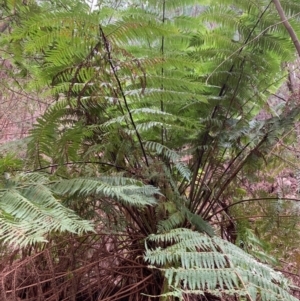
column 196, row 264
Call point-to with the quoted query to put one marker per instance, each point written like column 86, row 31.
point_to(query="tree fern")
column 154, row 117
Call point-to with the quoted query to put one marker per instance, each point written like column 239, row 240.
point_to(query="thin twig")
column 251, row 200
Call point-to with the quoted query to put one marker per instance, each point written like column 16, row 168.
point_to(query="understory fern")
column 196, row 264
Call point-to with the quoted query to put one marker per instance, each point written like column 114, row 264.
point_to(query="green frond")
column 150, row 92
column 222, row 15
column 175, row 8
column 29, row 210
column 31, row 204
column 136, row 27
column 200, row 224
column 197, row 264
column 139, row 114
column 130, row 194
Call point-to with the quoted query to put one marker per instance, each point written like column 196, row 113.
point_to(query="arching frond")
column 153, row 124
column 137, row 195
column 31, row 205
column 30, row 210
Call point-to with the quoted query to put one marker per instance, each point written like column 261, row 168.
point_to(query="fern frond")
column 30, row 205
column 130, row 194
column 197, row 264
column 29, row 210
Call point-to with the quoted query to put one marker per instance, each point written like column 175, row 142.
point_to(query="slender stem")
column 252, row 218
column 208, row 192
column 110, row 61
column 162, row 70
column 233, row 175
column 226, row 171
column 287, row 25
column 77, row 162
